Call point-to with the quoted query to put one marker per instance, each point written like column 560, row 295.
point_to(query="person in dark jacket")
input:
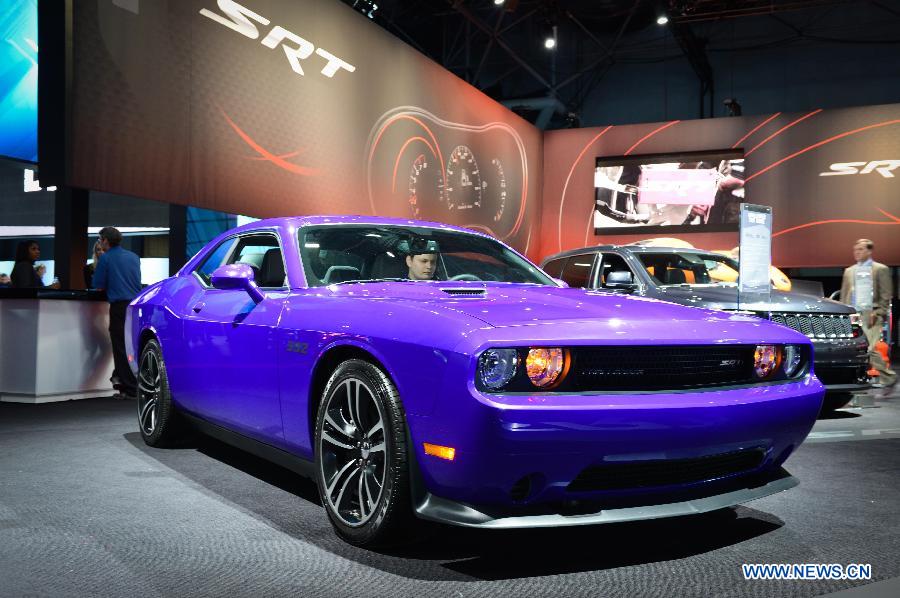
column 24, row 275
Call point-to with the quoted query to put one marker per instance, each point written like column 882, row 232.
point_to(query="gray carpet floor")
column 86, row 509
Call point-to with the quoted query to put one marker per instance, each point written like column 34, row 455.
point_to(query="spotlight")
column 550, row 39
column 499, row 2
column 367, row 7
column 732, row 107
column 662, row 20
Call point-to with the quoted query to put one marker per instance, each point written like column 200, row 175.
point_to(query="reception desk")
column 54, row 345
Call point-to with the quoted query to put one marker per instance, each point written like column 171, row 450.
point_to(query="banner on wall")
column 830, row 176
column 278, row 107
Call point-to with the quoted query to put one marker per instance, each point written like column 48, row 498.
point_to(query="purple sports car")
column 419, row 370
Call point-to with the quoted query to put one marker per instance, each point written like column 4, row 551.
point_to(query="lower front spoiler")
column 450, row 512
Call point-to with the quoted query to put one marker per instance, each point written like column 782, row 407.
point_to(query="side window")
column 263, row 254
column 611, row 262
column 215, row 259
column 577, row 271
column 554, row 267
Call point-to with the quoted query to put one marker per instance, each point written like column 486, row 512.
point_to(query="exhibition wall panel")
column 830, row 176
column 276, row 107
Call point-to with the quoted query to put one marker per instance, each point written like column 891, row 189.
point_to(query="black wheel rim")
column 149, row 391
column 353, row 452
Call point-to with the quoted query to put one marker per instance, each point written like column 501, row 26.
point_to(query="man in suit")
column 872, row 309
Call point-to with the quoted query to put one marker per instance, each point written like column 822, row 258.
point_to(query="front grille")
column 817, row 326
column 660, row 367
column 666, row 472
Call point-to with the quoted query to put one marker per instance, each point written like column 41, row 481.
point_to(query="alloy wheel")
column 353, row 453
column 149, row 391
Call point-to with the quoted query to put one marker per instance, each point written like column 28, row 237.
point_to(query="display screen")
column 18, row 79
column 669, row 192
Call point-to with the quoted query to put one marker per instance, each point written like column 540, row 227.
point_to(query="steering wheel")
column 464, row 277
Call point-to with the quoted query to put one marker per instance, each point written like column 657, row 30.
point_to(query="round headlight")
column 544, row 365
column 765, row 360
column 791, row 362
column 496, row 367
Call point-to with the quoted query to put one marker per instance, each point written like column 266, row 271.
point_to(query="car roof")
column 628, row 248
column 312, row 220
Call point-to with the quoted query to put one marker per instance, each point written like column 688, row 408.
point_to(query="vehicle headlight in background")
column 792, row 360
column 765, row 360
column 544, row 365
column 496, row 367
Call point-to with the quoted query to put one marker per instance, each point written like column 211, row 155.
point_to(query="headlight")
column 544, row 366
column 792, row 359
column 496, row 367
column 765, row 360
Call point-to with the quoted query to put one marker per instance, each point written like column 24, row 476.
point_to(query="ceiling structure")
column 500, row 48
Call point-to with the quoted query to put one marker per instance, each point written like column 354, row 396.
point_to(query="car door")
column 577, row 270
column 232, row 343
column 613, row 262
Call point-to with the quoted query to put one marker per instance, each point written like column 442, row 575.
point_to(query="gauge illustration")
column 495, row 189
column 464, row 184
column 426, row 187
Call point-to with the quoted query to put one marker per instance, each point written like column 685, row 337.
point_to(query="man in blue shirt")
column 119, row 273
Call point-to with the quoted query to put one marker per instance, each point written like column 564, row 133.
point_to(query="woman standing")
column 24, row 275
column 89, row 269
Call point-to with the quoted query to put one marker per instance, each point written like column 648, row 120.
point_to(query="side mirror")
column 620, row 280
column 237, row 277
column 560, row 282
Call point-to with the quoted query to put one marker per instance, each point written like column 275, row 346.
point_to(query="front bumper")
column 442, row 510
column 841, row 364
column 550, row 440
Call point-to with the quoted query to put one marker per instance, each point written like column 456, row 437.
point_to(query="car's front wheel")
column 361, row 456
column 158, row 420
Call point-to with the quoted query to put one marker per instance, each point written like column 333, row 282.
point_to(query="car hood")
column 726, row 297
column 501, row 304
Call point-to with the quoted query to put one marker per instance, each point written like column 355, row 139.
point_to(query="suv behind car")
column 684, row 276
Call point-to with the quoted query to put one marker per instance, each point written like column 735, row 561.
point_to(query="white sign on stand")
column 754, row 286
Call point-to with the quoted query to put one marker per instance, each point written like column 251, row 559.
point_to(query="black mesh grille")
column 666, row 472
column 464, row 292
column 660, row 368
column 817, row 325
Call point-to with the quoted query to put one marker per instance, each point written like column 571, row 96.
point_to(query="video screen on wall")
column 686, row 192
column 18, row 79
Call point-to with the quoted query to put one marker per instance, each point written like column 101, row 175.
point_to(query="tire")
column 158, row 420
column 361, row 451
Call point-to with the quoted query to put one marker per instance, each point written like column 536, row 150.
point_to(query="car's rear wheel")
column 158, row 419
column 361, row 456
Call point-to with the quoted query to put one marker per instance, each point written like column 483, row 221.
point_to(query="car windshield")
column 689, row 268
column 350, row 253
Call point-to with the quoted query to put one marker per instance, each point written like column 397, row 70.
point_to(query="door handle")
column 198, row 307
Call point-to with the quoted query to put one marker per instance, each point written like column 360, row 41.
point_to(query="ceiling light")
column 499, row 2
column 662, row 20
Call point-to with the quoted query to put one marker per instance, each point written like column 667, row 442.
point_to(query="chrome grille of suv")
column 817, row 326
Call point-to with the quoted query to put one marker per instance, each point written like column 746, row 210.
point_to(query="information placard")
column 754, row 286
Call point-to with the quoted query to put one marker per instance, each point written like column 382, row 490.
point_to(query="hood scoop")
column 465, row 292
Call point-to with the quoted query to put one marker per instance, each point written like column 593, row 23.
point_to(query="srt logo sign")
column 239, row 18
column 883, row 167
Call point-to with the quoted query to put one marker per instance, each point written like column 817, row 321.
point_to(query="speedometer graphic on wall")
column 426, row 187
column 473, row 175
column 464, row 185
